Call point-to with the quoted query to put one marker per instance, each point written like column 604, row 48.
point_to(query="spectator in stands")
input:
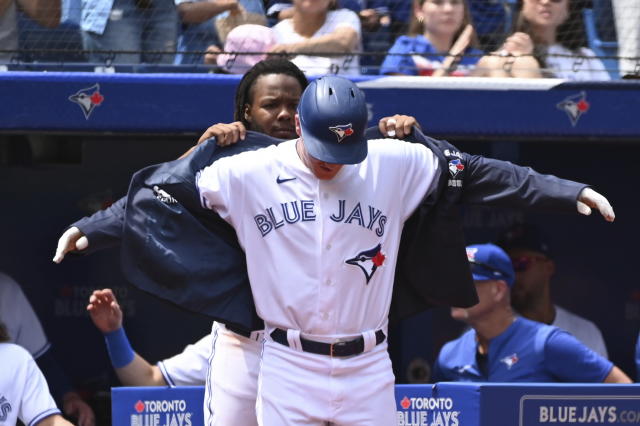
column 627, row 19
column 25, row 330
column 549, row 41
column 247, row 38
column 23, row 389
column 197, row 31
column 44, row 12
column 531, row 293
column 436, row 26
column 502, row 347
column 144, row 27
column 188, row 368
column 316, row 26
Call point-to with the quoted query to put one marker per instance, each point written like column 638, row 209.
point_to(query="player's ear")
column 246, row 112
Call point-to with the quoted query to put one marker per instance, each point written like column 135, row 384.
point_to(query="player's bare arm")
column 617, row 376
column 55, row 420
column 71, row 240
column 590, row 199
column 106, row 314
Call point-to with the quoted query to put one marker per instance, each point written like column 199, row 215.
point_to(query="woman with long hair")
column 440, row 40
column 549, row 41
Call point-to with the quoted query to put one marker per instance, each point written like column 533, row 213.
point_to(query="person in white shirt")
column 549, row 41
column 531, row 294
column 317, row 27
column 24, row 393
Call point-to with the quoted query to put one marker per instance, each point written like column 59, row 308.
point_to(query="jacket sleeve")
column 103, row 229
column 500, row 183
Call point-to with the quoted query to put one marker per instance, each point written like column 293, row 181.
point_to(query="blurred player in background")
column 24, row 329
column 502, row 347
column 24, row 394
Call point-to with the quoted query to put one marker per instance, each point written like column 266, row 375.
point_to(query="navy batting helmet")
column 333, row 119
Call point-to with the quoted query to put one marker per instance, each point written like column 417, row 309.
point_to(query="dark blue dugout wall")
column 60, row 159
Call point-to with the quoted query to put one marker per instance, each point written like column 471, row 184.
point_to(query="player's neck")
column 540, row 309
column 493, row 325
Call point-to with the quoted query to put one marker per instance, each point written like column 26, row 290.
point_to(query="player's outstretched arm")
column 71, row 240
column 131, row 368
column 590, row 199
column 397, row 126
column 55, row 420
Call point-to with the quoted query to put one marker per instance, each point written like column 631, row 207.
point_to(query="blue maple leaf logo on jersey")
column 342, row 131
column 368, row 261
column 88, row 99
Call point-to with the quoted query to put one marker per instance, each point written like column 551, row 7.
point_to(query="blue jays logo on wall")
column 455, row 166
column 368, row 261
column 342, row 131
column 575, row 106
column 88, row 99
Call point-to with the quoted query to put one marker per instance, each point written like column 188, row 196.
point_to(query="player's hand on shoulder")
column 590, row 199
column 397, row 126
column 71, row 240
column 225, row 133
column 74, row 406
column 104, row 310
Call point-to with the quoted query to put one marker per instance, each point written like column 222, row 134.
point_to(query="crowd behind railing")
column 569, row 39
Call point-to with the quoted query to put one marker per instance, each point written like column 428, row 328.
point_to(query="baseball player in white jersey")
column 320, row 223
column 24, row 393
column 24, row 329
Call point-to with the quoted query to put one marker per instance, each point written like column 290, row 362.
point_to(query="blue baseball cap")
column 333, row 120
column 490, row 262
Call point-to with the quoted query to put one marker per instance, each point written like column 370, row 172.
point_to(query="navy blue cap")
column 525, row 236
column 333, row 120
column 490, row 262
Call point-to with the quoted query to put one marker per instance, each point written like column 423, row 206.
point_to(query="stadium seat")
column 601, row 33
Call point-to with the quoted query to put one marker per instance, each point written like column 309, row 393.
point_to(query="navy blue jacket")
column 177, row 250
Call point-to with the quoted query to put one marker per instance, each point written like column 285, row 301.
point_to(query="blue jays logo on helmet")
column 342, row 131
column 88, row 99
column 455, row 166
column 368, row 261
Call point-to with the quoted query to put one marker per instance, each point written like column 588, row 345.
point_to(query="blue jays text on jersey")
column 303, row 210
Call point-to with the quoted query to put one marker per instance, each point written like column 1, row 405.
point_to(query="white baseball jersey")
column 188, row 368
column 583, row 329
column 21, row 321
column 24, row 393
column 321, row 254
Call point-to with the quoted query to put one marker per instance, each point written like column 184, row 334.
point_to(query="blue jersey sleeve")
column 571, row 361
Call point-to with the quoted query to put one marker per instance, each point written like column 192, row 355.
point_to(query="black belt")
column 340, row 349
column 239, row 330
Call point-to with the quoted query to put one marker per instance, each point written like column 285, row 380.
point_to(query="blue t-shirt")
column 423, row 58
column 527, row 351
